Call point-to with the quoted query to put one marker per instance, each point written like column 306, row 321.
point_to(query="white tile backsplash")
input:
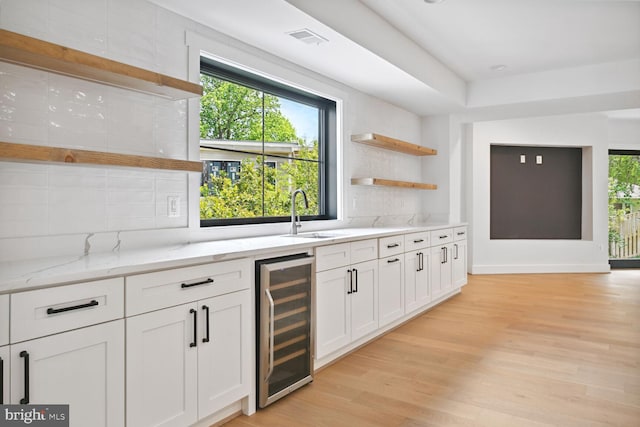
column 67, row 209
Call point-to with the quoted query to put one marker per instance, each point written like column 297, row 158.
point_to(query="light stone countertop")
column 47, row 272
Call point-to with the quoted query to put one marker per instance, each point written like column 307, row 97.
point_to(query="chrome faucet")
column 295, row 220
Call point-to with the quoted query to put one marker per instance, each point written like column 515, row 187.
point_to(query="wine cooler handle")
column 271, row 333
column 25, row 354
column 206, row 319
column 195, row 328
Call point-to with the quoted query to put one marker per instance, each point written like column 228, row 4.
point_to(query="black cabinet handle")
column 355, row 270
column 350, row 291
column 446, row 255
column 418, row 241
column 50, row 310
column 1, row 381
column 460, row 233
column 389, row 261
column 393, row 245
column 195, row 328
column 444, row 236
column 420, row 261
column 206, row 311
column 25, row 400
column 456, row 253
column 204, row 282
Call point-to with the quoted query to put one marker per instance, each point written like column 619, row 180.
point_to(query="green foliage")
column 624, row 177
column 234, row 112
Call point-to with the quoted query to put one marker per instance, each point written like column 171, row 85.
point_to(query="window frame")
column 327, row 140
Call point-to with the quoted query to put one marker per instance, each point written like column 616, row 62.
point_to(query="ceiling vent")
column 307, row 36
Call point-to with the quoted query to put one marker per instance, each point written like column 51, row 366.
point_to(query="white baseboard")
column 540, row 268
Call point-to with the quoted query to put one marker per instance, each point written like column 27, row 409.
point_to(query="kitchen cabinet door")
column 417, row 280
column 459, row 263
column 224, row 350
column 162, row 381
column 364, row 298
column 441, row 270
column 390, row 289
column 333, row 311
column 83, row 368
column 4, row 374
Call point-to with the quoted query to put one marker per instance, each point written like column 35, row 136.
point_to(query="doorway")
column 624, row 208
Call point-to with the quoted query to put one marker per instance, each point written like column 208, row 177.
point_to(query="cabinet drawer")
column 364, row 250
column 441, row 237
column 49, row 311
column 415, row 241
column 4, row 320
column 333, row 256
column 388, row 246
column 459, row 233
column 153, row 291
column 343, row 254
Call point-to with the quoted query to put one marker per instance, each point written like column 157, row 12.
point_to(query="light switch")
column 538, row 159
column 523, row 158
column 173, row 206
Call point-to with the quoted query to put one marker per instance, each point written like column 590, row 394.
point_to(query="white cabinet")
column 83, row 368
column 186, row 362
column 390, row 289
column 459, row 255
column 52, row 364
column 4, row 320
column 417, row 277
column 346, row 296
column 4, row 374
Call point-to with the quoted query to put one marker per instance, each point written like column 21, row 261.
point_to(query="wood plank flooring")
column 511, row 350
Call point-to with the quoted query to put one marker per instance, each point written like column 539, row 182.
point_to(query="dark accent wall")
column 536, row 201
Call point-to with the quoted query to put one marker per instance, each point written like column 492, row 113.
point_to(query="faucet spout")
column 295, row 219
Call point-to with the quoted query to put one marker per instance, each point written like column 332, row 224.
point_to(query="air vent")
column 307, row 36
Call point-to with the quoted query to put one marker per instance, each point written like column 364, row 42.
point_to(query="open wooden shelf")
column 37, row 153
column 392, row 183
column 30, row 52
column 393, row 144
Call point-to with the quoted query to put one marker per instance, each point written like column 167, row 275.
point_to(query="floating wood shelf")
column 392, row 183
column 392, row 144
column 37, row 153
column 30, row 52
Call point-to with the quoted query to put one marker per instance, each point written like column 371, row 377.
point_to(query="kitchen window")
column 259, row 141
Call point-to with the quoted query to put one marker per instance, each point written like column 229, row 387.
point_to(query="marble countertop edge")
column 33, row 274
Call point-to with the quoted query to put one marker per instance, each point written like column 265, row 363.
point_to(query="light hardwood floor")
column 511, row 350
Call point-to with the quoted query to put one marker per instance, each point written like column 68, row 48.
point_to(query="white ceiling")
column 470, row 36
column 430, row 58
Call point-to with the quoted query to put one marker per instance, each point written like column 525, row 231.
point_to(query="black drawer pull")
column 204, row 282
column 25, row 400
column 460, row 233
column 350, row 291
column 206, row 311
column 355, row 270
column 1, row 381
column 393, row 260
column 195, row 328
column 418, row 241
column 93, row 303
column 444, row 236
column 393, row 245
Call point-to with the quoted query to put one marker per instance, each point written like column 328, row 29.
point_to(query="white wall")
column 521, row 256
column 59, row 210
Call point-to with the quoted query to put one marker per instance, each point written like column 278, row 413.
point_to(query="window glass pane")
column 257, row 148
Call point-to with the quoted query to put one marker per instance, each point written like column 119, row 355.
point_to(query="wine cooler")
column 285, row 287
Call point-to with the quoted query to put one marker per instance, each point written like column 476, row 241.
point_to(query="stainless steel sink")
column 314, row 235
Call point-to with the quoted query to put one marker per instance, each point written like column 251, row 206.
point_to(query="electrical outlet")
column 173, row 206
column 523, row 158
column 538, row 160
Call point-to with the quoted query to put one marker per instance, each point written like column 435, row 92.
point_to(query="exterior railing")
column 626, row 243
